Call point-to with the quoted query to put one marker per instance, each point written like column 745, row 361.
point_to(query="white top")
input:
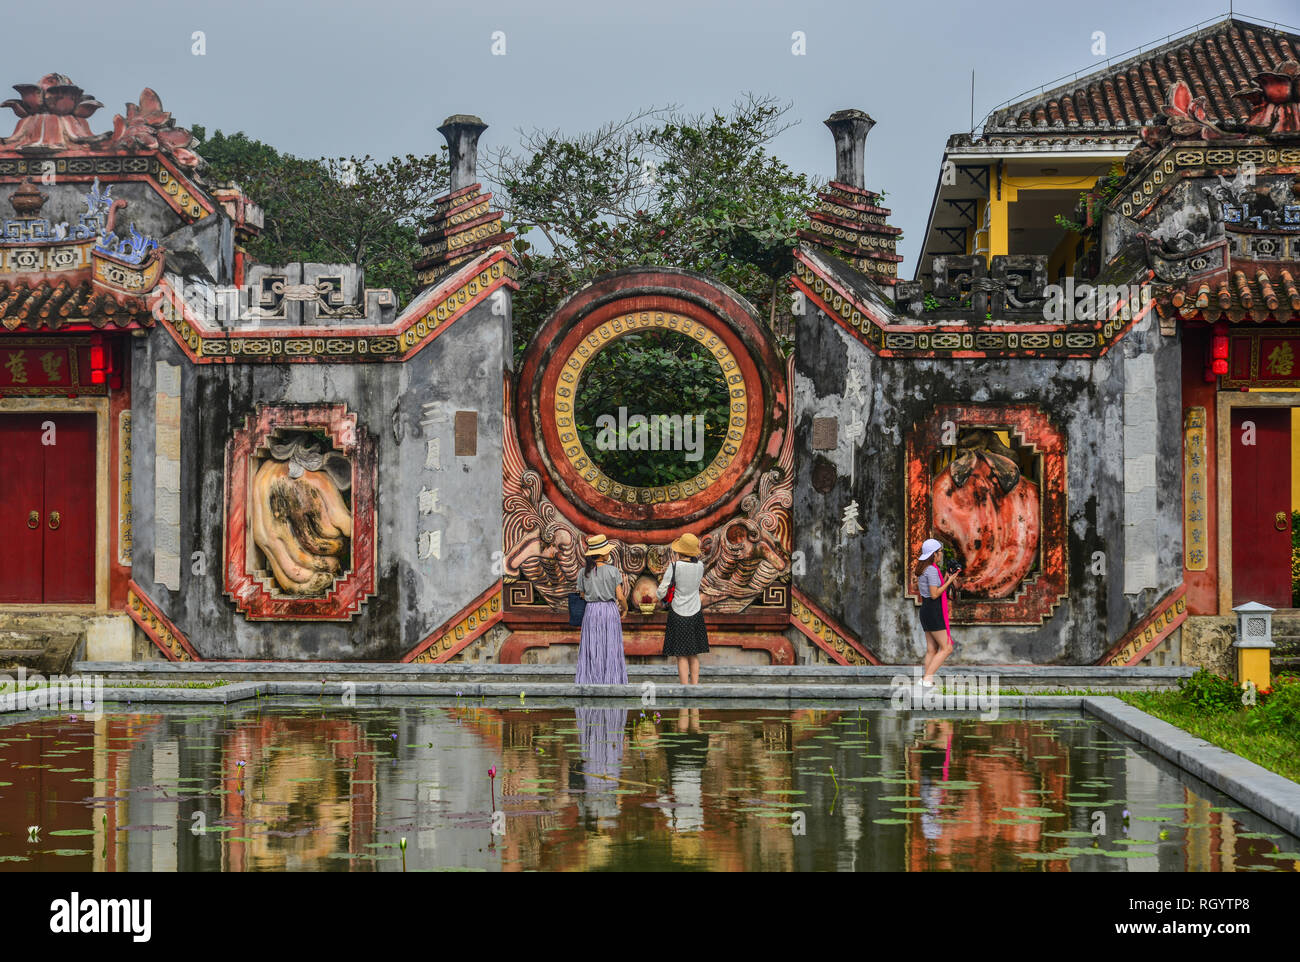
column 686, row 597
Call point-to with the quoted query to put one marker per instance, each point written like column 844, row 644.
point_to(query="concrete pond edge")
column 1266, row 793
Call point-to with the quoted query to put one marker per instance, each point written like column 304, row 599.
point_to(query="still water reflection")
column 309, row 787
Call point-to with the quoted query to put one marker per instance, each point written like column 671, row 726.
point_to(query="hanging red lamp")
column 1219, row 349
column 98, row 362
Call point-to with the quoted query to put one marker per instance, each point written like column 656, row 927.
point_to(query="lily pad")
column 1039, row 812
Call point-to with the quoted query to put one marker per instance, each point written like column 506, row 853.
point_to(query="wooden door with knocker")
column 47, row 518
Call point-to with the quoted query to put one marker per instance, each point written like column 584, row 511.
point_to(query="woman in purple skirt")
column 600, row 652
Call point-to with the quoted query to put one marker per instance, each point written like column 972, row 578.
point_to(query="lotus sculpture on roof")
column 50, row 114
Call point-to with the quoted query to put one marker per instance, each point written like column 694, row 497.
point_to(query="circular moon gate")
column 629, row 302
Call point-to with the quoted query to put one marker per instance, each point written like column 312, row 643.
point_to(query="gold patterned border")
column 818, row 629
column 1134, row 646
column 1196, row 498
column 174, row 188
column 571, row 377
column 1180, row 160
column 471, row 622
column 398, row 341
column 154, row 623
column 882, row 336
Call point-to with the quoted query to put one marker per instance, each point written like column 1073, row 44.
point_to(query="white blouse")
column 686, row 597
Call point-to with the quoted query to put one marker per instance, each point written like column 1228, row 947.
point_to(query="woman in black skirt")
column 930, row 588
column 685, row 637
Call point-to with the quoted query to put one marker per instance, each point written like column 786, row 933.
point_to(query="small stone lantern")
column 1254, row 644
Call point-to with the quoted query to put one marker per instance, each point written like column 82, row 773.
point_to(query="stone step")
column 1019, row 677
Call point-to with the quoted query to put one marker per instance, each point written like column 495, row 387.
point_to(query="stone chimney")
column 849, row 222
column 463, row 225
column 850, row 129
column 462, row 132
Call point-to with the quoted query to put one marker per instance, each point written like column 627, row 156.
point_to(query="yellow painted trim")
column 1050, row 182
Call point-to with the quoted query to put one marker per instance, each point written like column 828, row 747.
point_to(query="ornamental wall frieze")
column 423, row 321
column 1016, row 338
column 461, row 629
column 1168, row 615
column 170, row 185
column 821, row 630
column 1179, row 162
column 157, row 627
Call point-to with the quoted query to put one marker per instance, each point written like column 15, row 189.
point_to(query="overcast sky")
column 336, row 78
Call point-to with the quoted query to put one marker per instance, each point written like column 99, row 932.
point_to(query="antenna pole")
column 972, row 103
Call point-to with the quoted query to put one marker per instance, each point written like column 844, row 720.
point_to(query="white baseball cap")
column 929, row 548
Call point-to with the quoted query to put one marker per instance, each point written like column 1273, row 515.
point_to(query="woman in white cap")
column 685, row 636
column 931, row 586
column 600, row 650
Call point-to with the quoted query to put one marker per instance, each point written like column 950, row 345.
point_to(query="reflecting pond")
column 302, row 786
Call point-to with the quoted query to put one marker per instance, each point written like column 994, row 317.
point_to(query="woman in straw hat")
column 685, row 636
column 600, row 652
column 932, row 588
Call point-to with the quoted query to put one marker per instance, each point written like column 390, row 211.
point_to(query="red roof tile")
column 1215, row 62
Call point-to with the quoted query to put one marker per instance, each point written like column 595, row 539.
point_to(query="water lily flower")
column 33, row 833
column 492, row 772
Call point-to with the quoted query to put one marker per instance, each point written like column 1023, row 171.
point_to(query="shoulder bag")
column 672, row 589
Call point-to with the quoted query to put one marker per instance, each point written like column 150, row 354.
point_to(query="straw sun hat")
column 598, row 544
column 687, row 544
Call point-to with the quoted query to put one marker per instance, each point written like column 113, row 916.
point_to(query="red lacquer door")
column 69, row 523
column 1261, row 506
column 22, row 508
column 47, row 514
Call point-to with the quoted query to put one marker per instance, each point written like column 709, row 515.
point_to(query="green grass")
column 1277, row 752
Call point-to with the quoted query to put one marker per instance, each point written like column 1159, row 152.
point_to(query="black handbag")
column 577, row 608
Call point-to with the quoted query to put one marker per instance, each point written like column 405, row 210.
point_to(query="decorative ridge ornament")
column 147, row 126
column 51, row 114
column 27, row 201
column 1276, row 99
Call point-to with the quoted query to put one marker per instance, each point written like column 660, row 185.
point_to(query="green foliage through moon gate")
column 655, row 372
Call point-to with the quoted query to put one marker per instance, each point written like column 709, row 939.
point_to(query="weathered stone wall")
column 1207, row 643
column 401, row 405
column 1121, row 417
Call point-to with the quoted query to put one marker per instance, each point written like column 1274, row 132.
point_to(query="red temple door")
column 47, row 516
column 1261, row 506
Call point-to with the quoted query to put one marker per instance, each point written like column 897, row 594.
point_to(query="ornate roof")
column 1217, row 63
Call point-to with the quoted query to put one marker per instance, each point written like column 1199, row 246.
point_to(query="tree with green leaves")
column 333, row 210
column 699, row 192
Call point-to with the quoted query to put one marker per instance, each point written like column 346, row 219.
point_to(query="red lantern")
column 1219, row 350
column 98, row 364
column 1219, row 343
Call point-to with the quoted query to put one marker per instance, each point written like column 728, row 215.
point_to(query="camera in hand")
column 952, row 566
